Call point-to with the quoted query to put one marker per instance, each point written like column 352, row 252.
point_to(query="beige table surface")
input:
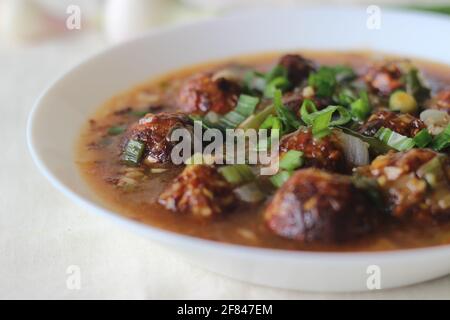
column 42, row 233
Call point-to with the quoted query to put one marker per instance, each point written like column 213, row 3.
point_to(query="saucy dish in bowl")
column 363, row 152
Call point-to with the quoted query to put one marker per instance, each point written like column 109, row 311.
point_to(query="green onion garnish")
column 271, row 122
column 361, row 108
column 237, row 174
column 134, row 151
column 280, row 178
column 280, row 83
column 323, row 81
column 114, row 131
column 414, row 85
column 433, row 172
column 255, row 121
column 422, row 138
column 322, row 120
column 287, row 117
column 307, row 109
column 292, row 160
column 442, row 140
column 394, row 139
column 321, row 123
column 245, row 107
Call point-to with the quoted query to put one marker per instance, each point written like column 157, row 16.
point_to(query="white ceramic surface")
column 61, row 111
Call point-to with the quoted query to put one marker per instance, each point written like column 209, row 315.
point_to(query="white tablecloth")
column 42, row 233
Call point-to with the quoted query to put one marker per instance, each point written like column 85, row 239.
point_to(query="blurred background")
column 33, row 22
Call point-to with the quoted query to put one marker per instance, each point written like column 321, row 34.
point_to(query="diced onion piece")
column 435, row 120
column 355, row 150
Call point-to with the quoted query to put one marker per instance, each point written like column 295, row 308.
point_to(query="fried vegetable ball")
column 154, row 131
column 404, row 124
column 414, row 184
column 199, row 190
column 314, row 206
column 202, row 93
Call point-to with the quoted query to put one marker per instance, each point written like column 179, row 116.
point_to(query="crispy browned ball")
column 325, row 153
column 199, row 190
column 202, row 93
column 404, row 124
column 405, row 184
column 154, row 130
column 298, row 68
column 385, row 77
column 314, row 206
column 441, row 101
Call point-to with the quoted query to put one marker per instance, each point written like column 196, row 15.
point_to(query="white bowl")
column 62, row 110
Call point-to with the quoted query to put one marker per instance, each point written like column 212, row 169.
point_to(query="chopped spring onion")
column 254, row 81
column 321, row 123
column 237, row 174
column 307, row 109
column 323, row 81
column 280, row 178
column 255, row 121
column 281, row 83
column 275, row 72
column 292, row 160
column 322, row 120
column 346, row 96
column 134, row 152
column 394, row 139
column 415, row 86
column 114, row 131
column 326, row 79
column 245, row 107
column 250, row 193
column 271, row 122
column 286, row 116
column 432, row 171
column 422, row 138
column 442, row 140
column 361, row 108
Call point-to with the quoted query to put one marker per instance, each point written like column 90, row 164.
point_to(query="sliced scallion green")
column 442, row 140
column 133, row 152
column 422, row 138
column 245, row 107
column 394, row 139
column 361, row 108
column 292, row 160
column 280, row 178
column 287, row 117
column 281, row 83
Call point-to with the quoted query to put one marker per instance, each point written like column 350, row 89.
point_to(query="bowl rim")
column 168, row 237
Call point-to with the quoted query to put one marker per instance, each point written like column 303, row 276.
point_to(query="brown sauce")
column 97, row 155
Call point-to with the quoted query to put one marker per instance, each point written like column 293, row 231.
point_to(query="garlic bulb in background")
column 27, row 20
column 124, row 19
